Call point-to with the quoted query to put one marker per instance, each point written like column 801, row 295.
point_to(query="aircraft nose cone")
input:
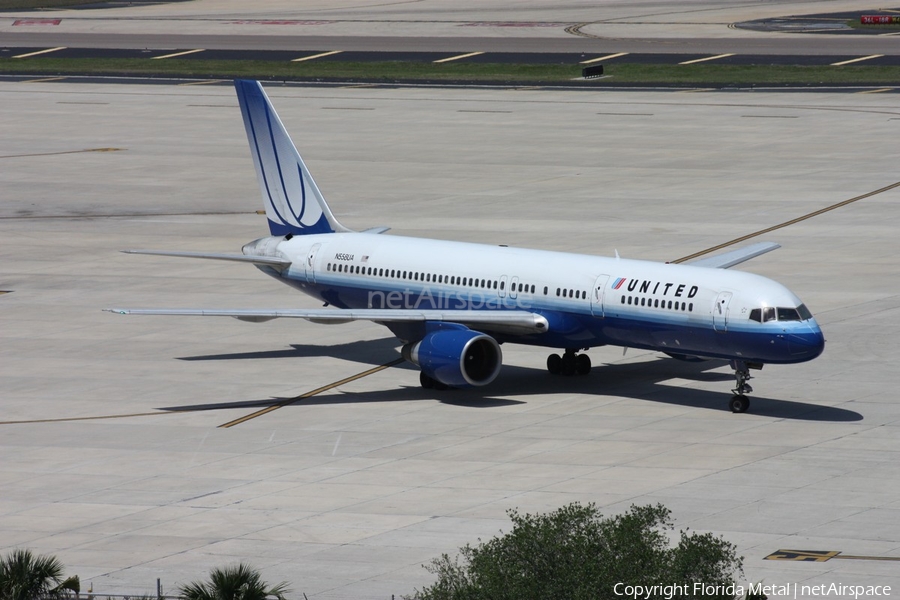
column 808, row 344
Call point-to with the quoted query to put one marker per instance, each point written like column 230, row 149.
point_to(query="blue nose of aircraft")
column 807, row 344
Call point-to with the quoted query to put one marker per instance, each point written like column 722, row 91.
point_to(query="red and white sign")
column 36, row 22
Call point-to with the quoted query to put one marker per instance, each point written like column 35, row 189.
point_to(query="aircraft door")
column 597, row 296
column 512, row 287
column 310, row 263
column 720, row 312
column 501, row 291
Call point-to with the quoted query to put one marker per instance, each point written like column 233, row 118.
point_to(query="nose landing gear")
column 740, row 402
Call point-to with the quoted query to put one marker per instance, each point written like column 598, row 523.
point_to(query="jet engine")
column 456, row 356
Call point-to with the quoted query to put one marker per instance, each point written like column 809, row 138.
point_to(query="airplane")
column 453, row 304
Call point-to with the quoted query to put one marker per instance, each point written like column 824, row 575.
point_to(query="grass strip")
column 619, row 73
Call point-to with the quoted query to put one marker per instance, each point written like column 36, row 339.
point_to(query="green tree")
column 575, row 553
column 26, row 576
column 240, row 582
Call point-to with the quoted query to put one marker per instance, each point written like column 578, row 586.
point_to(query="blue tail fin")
column 293, row 202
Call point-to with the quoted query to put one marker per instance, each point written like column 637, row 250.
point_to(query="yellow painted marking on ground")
column 5, row 292
column 787, row 223
column 95, row 418
column 821, row 556
column 856, row 60
column 876, row 91
column 63, row 152
column 44, row 79
column 314, row 392
column 607, row 57
column 48, row 50
column 207, row 82
column 314, row 56
column 803, row 555
column 849, row 557
column 177, row 54
column 458, row 57
column 700, row 60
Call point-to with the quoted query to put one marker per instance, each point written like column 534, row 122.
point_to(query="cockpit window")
column 804, row 312
column 788, row 314
column 769, row 313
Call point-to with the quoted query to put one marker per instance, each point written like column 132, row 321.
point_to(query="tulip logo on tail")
column 292, row 199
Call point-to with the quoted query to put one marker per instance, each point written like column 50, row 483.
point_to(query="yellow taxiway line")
column 314, row 392
column 787, row 223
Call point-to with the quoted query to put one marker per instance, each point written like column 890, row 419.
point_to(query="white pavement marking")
column 855, row 60
column 607, row 57
column 177, row 54
column 314, row 56
column 458, row 57
column 700, row 60
column 48, row 50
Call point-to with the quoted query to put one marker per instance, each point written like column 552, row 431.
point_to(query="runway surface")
column 113, row 450
column 328, row 54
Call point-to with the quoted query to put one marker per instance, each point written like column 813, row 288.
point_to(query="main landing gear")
column 570, row 363
column 740, row 402
column 429, row 383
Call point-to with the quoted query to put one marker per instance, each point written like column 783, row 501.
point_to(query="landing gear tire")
column 426, row 381
column 568, row 364
column 739, row 404
column 554, row 364
column 430, row 383
column 582, row 364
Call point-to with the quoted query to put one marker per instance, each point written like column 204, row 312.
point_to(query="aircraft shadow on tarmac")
column 641, row 381
column 369, row 352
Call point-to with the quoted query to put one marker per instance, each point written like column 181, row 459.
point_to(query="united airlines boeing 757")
column 453, row 304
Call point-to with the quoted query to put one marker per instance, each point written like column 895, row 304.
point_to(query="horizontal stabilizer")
column 268, row 261
column 490, row 320
column 735, row 257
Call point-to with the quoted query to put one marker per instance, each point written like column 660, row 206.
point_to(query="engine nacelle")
column 456, row 356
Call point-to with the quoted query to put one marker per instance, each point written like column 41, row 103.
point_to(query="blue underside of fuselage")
column 675, row 333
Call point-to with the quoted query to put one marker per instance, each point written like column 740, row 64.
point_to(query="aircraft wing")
column 735, row 257
column 269, row 261
column 507, row 321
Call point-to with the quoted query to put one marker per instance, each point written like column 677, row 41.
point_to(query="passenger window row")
column 569, row 293
column 432, row 278
column 657, row 303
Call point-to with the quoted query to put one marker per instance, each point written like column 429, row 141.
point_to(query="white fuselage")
column 587, row 300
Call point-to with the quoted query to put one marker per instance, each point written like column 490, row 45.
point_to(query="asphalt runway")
column 340, row 474
column 761, row 44
column 323, row 54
